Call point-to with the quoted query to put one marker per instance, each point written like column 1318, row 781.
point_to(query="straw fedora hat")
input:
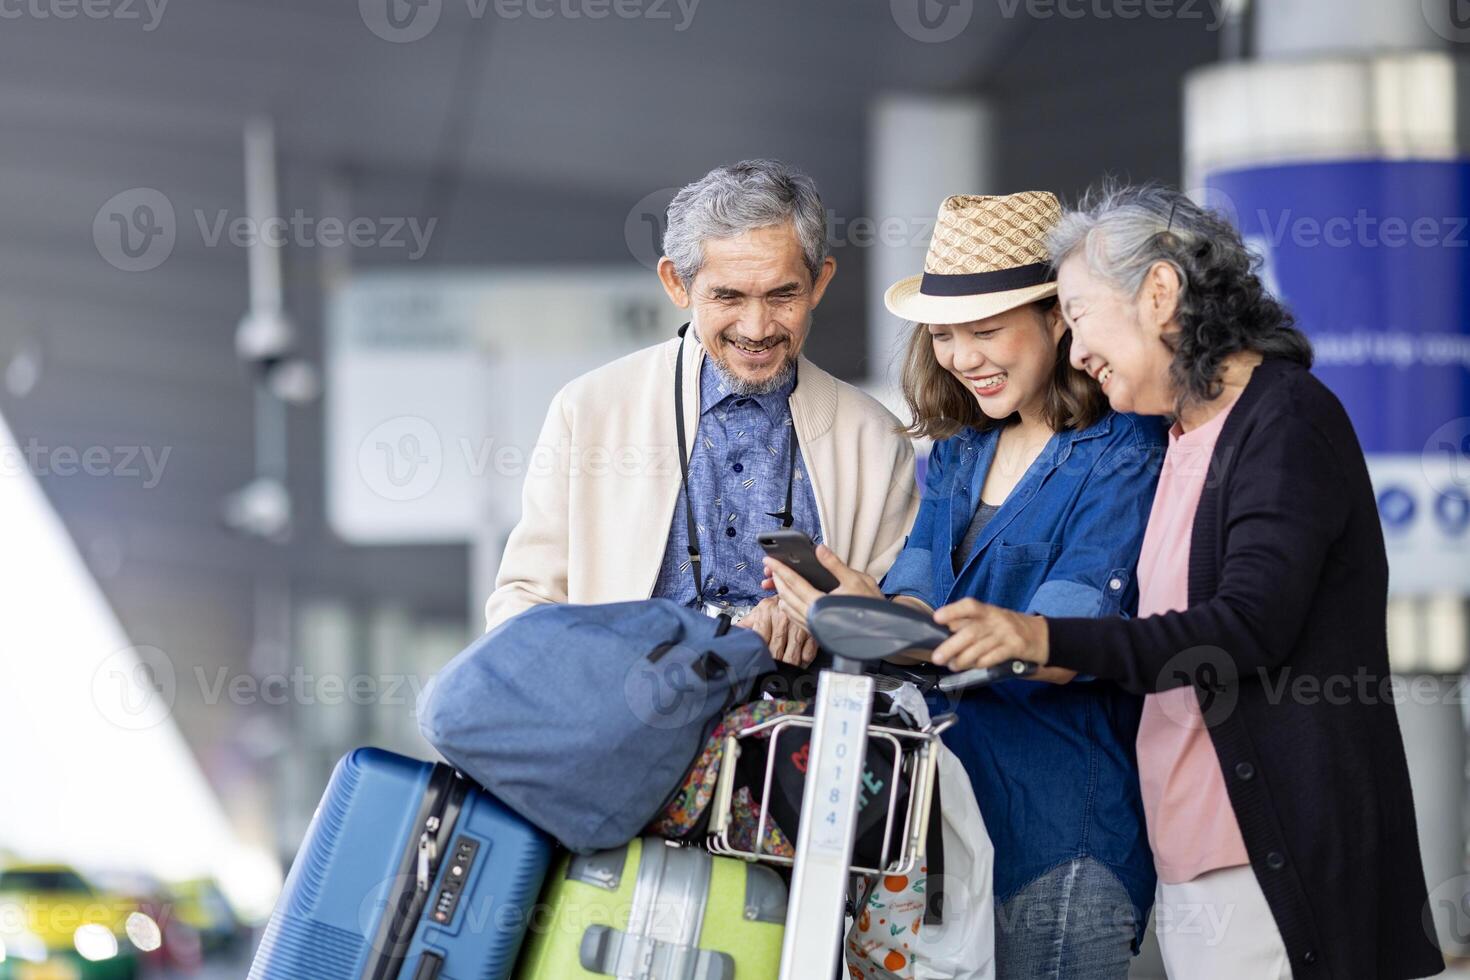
column 987, row 255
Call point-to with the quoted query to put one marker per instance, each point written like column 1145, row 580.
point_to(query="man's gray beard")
column 748, row 389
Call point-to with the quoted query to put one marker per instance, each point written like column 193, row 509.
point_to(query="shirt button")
column 1310, row 957
column 1245, row 770
column 1275, row 861
column 738, row 468
column 1115, row 584
column 729, row 532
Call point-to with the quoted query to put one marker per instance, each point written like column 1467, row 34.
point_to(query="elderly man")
column 731, row 433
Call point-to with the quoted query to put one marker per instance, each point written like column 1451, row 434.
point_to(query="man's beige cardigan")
column 600, row 492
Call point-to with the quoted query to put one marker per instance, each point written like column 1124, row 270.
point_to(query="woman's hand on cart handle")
column 986, row 636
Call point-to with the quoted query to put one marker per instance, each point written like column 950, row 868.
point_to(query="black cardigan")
column 1285, row 641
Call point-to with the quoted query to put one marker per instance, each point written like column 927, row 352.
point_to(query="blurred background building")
column 255, row 476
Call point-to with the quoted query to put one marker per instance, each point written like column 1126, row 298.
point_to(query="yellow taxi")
column 54, row 925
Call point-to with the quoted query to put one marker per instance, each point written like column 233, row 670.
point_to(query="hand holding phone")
column 795, row 550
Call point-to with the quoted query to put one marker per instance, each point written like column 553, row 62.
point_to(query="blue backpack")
column 585, row 719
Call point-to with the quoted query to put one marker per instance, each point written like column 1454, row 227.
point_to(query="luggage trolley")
column 855, row 630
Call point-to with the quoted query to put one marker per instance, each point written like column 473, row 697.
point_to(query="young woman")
column 1263, row 562
column 1035, row 499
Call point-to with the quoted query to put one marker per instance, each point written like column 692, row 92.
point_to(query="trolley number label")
column 837, row 769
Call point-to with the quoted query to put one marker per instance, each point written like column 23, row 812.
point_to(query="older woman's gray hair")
column 729, row 201
column 1123, row 232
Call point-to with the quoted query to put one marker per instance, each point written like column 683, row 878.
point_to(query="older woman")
column 1288, row 820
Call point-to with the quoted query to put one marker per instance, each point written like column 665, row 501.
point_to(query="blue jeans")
column 1076, row 922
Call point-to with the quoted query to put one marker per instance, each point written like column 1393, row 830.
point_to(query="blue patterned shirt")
column 737, row 476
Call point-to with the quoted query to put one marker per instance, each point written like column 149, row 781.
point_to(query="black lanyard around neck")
column 784, row 515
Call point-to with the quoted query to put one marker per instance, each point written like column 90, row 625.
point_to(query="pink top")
column 1191, row 825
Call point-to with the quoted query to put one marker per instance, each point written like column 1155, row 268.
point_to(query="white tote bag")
column 889, row 941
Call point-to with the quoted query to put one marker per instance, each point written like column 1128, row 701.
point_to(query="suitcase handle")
column 604, row 949
column 429, row 966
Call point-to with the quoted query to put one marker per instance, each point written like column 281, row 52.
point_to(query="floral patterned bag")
column 686, row 815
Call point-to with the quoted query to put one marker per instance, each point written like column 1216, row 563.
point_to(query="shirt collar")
column 714, row 391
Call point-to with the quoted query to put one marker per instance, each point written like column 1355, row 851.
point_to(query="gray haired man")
column 760, row 437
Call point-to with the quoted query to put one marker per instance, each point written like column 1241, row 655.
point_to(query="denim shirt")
column 737, row 476
column 1053, row 766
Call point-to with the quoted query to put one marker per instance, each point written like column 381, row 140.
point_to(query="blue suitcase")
column 408, row 870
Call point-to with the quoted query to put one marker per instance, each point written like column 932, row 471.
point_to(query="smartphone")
column 796, row 550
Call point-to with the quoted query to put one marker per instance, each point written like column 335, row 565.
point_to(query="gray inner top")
column 981, row 517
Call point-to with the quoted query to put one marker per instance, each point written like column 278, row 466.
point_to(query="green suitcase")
column 653, row 911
